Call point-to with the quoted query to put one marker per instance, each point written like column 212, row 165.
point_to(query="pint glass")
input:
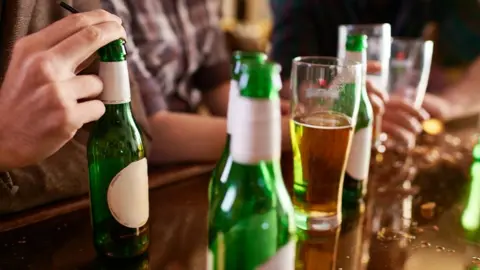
column 325, row 101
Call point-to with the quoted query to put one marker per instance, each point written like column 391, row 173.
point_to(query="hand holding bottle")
column 43, row 102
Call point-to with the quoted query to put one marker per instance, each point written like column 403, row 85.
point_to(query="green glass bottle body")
column 471, row 214
column 356, row 173
column 117, row 166
column 251, row 222
column 224, row 163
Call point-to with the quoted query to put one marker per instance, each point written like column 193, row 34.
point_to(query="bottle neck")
column 121, row 109
column 116, row 83
column 256, row 135
column 360, row 57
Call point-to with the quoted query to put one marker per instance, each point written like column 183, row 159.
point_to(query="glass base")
column 317, row 221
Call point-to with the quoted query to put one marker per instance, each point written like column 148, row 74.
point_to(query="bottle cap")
column 260, row 80
column 113, row 51
column 356, row 43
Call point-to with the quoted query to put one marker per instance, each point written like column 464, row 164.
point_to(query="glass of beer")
column 325, row 101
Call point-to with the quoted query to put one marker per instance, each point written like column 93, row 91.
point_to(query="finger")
column 404, row 120
column 374, row 66
column 436, row 106
column 400, row 134
column 398, row 104
column 78, row 47
column 378, row 104
column 372, row 89
column 85, row 64
column 66, row 27
column 285, row 107
column 83, row 87
column 89, row 111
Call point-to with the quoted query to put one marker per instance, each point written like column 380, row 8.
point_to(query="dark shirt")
column 310, row 27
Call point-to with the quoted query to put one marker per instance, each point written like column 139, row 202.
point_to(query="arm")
column 194, row 138
column 463, row 96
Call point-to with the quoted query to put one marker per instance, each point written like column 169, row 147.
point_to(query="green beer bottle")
column 355, row 181
column 471, row 214
column 224, row 164
column 251, row 223
column 117, row 165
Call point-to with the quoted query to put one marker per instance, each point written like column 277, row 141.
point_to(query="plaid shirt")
column 176, row 50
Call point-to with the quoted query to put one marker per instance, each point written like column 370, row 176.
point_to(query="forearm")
column 462, row 98
column 217, row 99
column 286, row 142
column 180, row 137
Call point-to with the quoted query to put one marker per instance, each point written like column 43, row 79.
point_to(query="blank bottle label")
column 128, row 195
column 283, row 260
column 257, row 132
column 209, row 260
column 359, row 158
column 116, row 85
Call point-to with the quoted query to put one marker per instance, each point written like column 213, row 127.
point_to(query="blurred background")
column 247, row 24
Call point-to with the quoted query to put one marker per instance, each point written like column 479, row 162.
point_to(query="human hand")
column 436, row 106
column 399, row 118
column 402, row 121
column 42, row 101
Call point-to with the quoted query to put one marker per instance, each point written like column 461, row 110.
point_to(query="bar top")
column 412, row 221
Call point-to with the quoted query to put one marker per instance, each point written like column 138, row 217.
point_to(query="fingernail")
column 424, row 114
column 418, row 128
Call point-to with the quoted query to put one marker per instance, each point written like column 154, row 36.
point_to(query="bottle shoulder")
column 115, row 137
column 250, row 190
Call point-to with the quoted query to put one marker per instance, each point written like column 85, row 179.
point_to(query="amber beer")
column 317, row 250
column 320, row 146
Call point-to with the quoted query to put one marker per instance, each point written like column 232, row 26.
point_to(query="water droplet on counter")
column 425, row 244
column 476, row 258
column 440, row 249
column 451, row 251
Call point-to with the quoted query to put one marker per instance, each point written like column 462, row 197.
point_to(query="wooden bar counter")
column 411, row 221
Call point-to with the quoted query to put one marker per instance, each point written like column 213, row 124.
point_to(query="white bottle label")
column 116, row 84
column 256, row 135
column 209, row 259
column 359, row 158
column 283, row 260
column 127, row 195
column 234, row 92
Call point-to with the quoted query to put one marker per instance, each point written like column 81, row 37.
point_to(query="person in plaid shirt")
column 178, row 55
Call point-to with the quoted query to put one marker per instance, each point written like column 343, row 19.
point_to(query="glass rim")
column 412, row 40
column 338, row 62
column 365, row 25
